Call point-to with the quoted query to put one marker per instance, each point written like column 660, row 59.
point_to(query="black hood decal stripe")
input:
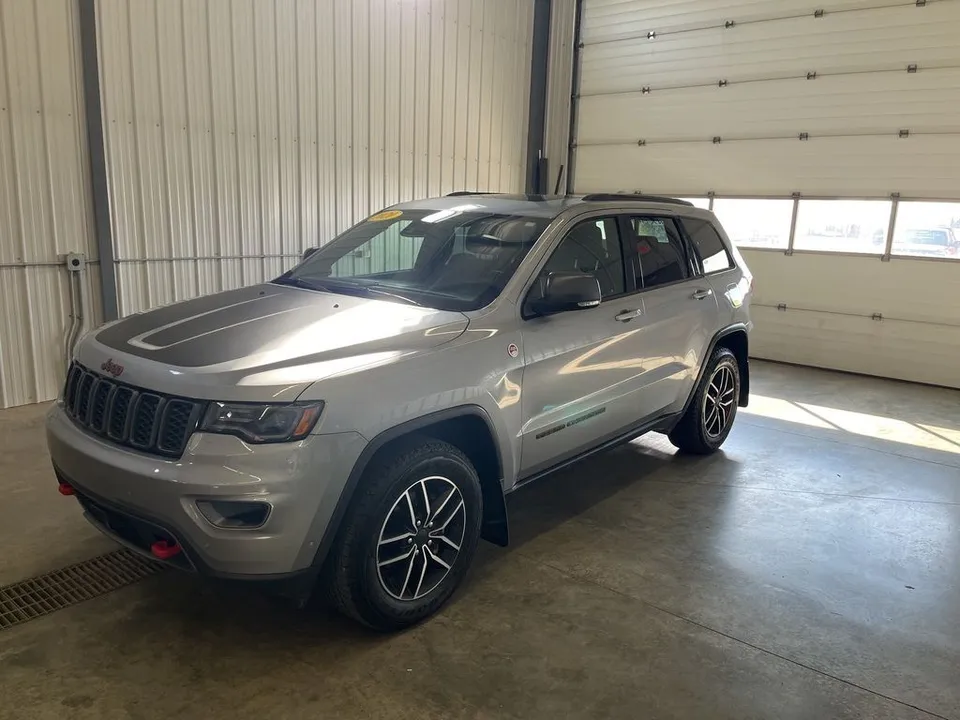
column 174, row 333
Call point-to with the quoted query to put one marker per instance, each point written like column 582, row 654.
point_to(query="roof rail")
column 460, row 193
column 617, row 197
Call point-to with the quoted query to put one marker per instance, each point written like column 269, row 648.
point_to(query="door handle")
column 628, row 315
column 701, row 294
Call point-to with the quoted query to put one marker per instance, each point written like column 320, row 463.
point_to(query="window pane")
column 659, row 251
column 708, row 243
column 756, row 223
column 926, row 229
column 702, row 203
column 855, row 226
column 591, row 247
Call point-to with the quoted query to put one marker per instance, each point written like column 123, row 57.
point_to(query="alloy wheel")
column 421, row 537
column 718, row 405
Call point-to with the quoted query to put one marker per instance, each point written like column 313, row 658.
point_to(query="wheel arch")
column 736, row 340
column 467, row 427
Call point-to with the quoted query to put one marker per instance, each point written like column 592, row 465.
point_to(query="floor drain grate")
column 44, row 594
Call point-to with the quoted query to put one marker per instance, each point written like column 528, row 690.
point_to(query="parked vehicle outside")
column 355, row 424
column 929, row 242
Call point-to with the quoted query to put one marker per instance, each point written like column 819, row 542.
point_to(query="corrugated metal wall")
column 44, row 196
column 239, row 132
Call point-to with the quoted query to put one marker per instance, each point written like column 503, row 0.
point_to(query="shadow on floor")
column 243, row 615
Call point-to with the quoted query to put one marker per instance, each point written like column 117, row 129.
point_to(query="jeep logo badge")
column 109, row 366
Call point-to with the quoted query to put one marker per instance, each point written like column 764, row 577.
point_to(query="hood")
column 262, row 342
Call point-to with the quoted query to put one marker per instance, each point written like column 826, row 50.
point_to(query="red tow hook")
column 65, row 489
column 164, row 550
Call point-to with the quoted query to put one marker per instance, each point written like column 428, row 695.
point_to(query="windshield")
column 455, row 259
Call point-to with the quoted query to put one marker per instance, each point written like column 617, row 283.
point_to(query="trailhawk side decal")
column 570, row 423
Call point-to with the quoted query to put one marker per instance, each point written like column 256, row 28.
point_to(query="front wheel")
column 710, row 415
column 409, row 537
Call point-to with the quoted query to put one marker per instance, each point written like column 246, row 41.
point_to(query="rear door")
column 717, row 265
column 680, row 308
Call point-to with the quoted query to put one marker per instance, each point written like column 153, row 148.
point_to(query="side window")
column 713, row 254
column 387, row 251
column 659, row 251
column 593, row 247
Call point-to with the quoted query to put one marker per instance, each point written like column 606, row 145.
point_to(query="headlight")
column 261, row 423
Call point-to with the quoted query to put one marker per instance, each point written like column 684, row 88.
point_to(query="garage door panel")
column 604, row 20
column 918, row 166
column 899, row 288
column 905, row 351
column 829, row 105
column 828, row 302
column 888, row 38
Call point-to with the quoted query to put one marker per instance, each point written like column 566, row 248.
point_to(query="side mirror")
column 566, row 291
column 307, row 253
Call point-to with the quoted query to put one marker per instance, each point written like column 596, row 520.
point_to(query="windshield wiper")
column 322, row 285
column 380, row 291
column 343, row 287
column 299, row 282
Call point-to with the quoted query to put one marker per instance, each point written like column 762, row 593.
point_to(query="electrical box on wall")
column 76, row 262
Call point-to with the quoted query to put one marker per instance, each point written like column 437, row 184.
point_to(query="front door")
column 581, row 366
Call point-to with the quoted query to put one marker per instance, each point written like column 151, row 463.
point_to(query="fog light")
column 234, row 514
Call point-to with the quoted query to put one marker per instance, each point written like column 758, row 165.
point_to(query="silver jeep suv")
column 357, row 422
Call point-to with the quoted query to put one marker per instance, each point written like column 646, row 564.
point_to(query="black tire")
column 699, row 431
column 359, row 582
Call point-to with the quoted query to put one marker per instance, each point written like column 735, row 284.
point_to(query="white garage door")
column 825, row 136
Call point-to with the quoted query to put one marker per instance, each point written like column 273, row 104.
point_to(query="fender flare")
column 744, row 376
column 494, row 528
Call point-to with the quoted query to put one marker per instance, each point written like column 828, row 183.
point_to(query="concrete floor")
column 811, row 570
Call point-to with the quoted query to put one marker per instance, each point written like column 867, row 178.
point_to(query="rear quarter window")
column 713, row 253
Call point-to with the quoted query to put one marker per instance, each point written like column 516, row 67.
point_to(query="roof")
column 531, row 205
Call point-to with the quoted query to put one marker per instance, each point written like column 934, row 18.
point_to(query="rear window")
column 712, row 251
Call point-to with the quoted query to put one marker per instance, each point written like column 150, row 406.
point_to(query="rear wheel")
column 409, row 537
column 709, row 417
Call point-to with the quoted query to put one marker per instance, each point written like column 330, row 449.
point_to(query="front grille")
column 117, row 424
column 144, row 425
column 147, row 421
column 176, row 425
column 98, row 405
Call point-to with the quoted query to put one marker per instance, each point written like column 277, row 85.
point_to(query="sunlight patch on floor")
column 922, row 435
column 779, row 409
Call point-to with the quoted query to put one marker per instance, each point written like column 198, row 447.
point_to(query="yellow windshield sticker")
column 385, row 215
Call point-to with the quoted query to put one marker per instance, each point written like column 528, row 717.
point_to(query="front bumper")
column 130, row 495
